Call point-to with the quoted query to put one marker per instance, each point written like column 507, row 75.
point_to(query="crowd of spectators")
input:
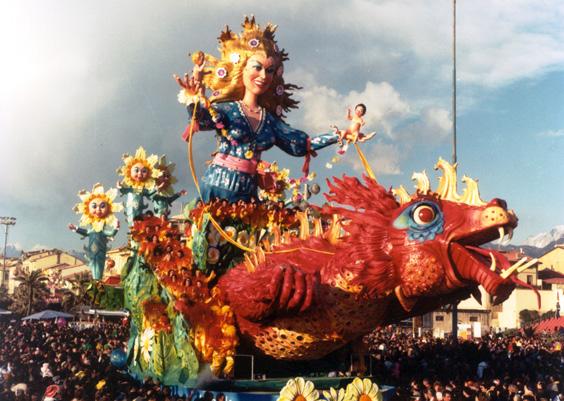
column 48, row 361
column 502, row 367
column 57, row 361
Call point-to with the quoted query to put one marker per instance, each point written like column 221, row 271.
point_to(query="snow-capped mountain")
column 536, row 245
column 12, row 251
column 543, row 239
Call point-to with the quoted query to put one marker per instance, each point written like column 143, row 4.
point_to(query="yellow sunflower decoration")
column 139, row 171
column 334, row 395
column 363, row 390
column 98, row 208
column 298, row 390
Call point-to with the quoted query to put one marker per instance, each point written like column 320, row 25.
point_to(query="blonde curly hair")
column 224, row 76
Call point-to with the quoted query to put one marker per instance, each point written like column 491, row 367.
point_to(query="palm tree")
column 77, row 291
column 5, row 299
column 32, row 289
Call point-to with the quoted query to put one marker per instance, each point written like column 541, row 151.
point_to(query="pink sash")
column 235, row 163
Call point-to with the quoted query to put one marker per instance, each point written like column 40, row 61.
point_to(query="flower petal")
column 140, row 153
column 98, row 189
column 111, row 194
column 152, row 160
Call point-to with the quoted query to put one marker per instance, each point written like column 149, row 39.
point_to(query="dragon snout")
column 496, row 214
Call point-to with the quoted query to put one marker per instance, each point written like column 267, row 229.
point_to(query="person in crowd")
column 44, row 360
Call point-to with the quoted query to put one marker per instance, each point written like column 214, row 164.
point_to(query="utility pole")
column 454, row 158
column 6, row 221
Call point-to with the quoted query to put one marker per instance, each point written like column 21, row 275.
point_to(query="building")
column 553, row 259
column 546, row 276
column 60, row 266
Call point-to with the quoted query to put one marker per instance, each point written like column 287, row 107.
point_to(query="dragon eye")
column 424, row 214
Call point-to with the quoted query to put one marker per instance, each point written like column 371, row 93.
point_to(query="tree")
column 527, row 316
column 5, row 299
column 77, row 292
column 31, row 292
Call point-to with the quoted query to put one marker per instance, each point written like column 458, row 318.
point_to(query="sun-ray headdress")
column 224, row 76
column 447, row 189
column 87, row 218
column 148, row 162
column 162, row 167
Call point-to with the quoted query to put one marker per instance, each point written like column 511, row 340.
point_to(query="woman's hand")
column 188, row 83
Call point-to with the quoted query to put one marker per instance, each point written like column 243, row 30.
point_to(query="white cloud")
column 432, row 126
column 552, row 133
column 85, row 81
column 322, row 106
column 40, row 247
column 501, row 42
column 383, row 158
column 497, row 42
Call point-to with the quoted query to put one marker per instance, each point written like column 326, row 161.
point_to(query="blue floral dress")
column 243, row 143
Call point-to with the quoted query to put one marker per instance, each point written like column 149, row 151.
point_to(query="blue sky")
column 84, row 82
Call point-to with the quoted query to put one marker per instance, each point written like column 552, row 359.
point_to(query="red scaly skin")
column 307, row 303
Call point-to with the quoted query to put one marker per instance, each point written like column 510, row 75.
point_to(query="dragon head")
column 426, row 245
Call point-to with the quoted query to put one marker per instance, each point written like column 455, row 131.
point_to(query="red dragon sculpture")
column 379, row 262
column 370, row 257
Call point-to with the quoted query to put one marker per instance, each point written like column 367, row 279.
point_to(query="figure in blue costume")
column 246, row 107
column 164, row 195
column 100, row 225
column 139, row 173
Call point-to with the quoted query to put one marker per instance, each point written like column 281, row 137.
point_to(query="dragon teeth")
column 493, row 264
column 510, row 233
column 501, row 231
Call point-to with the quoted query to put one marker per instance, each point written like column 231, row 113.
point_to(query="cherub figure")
column 353, row 134
column 139, row 174
column 199, row 60
column 196, row 81
column 165, row 195
column 98, row 223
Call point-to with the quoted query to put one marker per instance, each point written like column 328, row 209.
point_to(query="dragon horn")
column 447, row 182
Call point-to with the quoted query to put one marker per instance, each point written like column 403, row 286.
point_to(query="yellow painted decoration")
column 98, row 195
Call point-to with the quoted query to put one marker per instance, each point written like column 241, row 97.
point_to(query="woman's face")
column 258, row 74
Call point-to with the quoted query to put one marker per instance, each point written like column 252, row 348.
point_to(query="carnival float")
column 254, row 263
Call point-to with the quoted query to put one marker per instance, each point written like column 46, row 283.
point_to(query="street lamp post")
column 6, row 221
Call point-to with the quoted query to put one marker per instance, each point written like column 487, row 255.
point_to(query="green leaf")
column 200, row 245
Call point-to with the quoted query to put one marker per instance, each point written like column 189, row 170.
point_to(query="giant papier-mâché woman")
column 246, row 107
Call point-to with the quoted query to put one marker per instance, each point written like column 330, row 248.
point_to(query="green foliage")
column 200, row 245
column 5, row 299
column 548, row 315
column 111, row 298
column 526, row 316
column 164, row 355
column 184, row 349
column 138, row 285
column 29, row 296
column 173, row 360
